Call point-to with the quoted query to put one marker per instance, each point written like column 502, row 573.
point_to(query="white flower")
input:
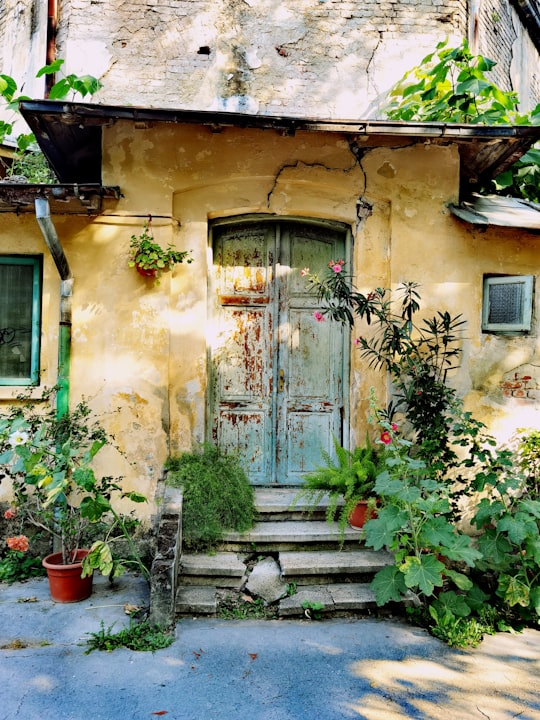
column 18, row 438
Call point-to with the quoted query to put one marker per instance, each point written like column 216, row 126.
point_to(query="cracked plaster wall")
column 321, row 58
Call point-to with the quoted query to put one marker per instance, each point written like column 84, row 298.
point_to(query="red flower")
column 386, row 438
column 10, row 514
column 19, row 542
column 394, row 427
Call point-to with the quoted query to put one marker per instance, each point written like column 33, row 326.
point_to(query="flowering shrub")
column 19, row 542
column 49, row 462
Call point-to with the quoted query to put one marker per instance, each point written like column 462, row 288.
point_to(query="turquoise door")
column 277, row 376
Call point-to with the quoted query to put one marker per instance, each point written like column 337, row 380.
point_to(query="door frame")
column 273, row 219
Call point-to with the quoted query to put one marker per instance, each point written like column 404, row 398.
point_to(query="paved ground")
column 250, row 670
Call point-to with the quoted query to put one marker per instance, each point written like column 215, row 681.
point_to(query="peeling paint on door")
column 277, row 375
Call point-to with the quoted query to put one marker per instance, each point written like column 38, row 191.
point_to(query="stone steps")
column 291, row 559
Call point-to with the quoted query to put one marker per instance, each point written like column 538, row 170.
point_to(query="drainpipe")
column 43, row 216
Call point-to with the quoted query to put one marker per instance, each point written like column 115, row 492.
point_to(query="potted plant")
column 149, row 258
column 348, row 484
column 55, row 489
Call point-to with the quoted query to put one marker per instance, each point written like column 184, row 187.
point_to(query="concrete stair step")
column 225, row 564
column 291, row 531
column 341, row 597
column 324, row 599
column 355, row 561
column 196, row 600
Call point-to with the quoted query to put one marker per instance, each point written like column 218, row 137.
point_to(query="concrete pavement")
column 250, row 670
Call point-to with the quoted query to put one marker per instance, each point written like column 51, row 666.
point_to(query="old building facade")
column 227, row 348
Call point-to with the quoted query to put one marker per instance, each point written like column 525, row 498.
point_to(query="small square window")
column 507, row 305
column 20, row 319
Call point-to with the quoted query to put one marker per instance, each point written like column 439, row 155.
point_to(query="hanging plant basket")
column 149, row 258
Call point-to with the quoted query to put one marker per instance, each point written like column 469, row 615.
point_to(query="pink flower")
column 357, row 341
column 304, row 271
column 394, row 427
column 337, row 268
column 19, row 542
column 10, row 514
column 386, row 438
column 319, row 317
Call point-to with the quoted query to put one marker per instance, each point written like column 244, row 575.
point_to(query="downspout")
column 43, row 216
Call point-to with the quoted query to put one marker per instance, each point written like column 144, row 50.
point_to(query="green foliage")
column 150, row 257
column 418, row 356
column 313, row 609
column 141, row 637
column 245, row 608
column 415, row 524
column 29, row 161
column 82, row 85
column 217, row 496
column 343, row 482
column 49, row 462
column 527, row 448
column 451, row 85
column 18, row 566
column 34, row 167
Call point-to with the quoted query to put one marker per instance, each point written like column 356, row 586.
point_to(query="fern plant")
column 343, row 481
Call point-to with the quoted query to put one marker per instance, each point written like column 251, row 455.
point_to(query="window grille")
column 507, row 305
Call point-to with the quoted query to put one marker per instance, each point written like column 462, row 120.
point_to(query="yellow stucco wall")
column 139, row 349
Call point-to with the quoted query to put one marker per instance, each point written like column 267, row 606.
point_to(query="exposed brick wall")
column 323, row 58
column 305, row 57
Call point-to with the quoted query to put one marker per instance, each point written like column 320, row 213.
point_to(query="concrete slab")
column 352, row 596
column 321, row 563
column 263, row 670
column 221, row 564
column 284, row 531
column 197, row 600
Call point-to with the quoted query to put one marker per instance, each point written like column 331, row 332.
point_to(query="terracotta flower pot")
column 361, row 514
column 65, row 582
column 151, row 272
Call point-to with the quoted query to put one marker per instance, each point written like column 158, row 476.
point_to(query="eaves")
column 70, row 135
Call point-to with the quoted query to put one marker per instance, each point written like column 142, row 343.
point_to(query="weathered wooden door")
column 277, row 375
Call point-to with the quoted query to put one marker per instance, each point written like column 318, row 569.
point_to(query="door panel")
column 276, row 373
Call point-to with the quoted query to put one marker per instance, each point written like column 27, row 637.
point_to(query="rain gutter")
column 43, row 217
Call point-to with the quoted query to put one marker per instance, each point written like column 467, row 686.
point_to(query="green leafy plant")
column 313, row 609
column 149, row 258
column 418, row 356
column 49, row 462
column 217, row 496
column 233, row 607
column 415, row 522
column 141, row 637
column 18, row 566
column 509, row 569
column 82, row 85
column 343, row 481
column 527, row 449
column 29, row 161
column 451, row 85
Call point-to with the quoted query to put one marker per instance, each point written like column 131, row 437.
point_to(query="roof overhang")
column 501, row 211
column 70, row 135
column 64, row 199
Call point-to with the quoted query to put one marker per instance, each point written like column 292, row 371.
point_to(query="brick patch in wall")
column 522, row 383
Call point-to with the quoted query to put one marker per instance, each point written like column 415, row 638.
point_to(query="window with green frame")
column 20, row 319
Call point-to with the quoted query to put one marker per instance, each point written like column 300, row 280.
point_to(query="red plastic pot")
column 65, row 582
